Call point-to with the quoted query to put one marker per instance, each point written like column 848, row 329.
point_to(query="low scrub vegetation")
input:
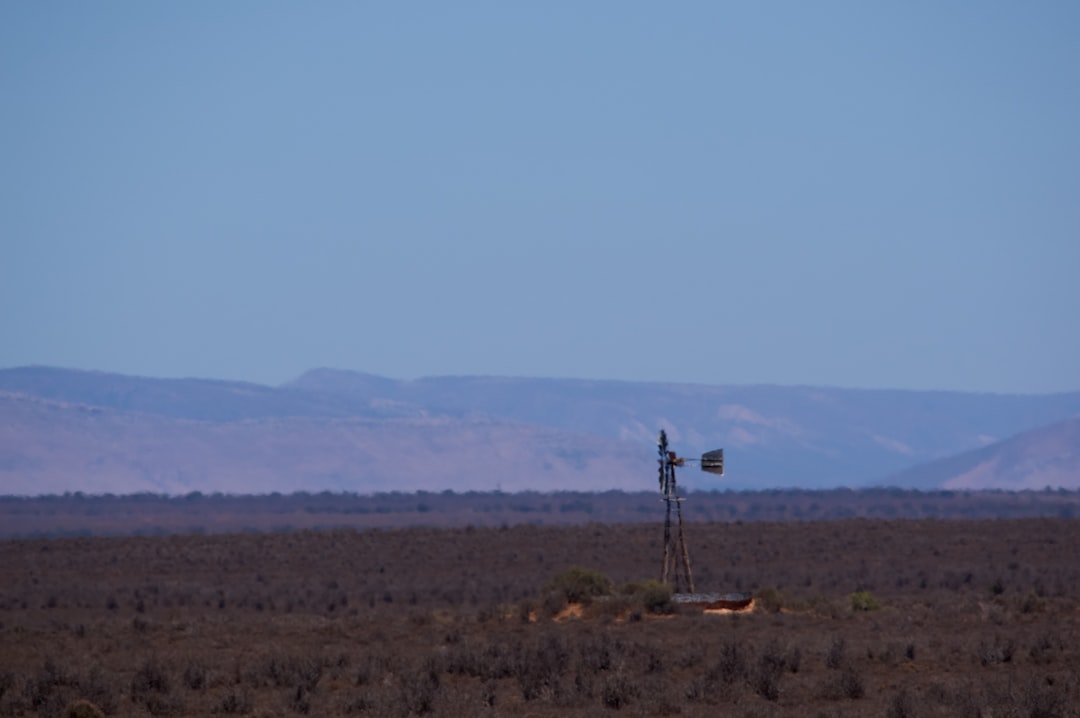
column 863, row 601
column 853, row 618
column 579, row 585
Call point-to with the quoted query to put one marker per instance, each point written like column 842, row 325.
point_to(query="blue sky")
column 839, row 193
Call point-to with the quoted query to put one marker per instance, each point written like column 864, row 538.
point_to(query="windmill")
column 676, row 567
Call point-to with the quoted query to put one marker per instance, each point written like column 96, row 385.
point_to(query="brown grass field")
column 852, row 618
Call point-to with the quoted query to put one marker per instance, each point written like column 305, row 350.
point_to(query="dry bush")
column 613, row 607
column 539, row 666
column 724, row 673
column 844, row 683
column 288, row 670
column 83, row 709
column 836, row 653
column 996, row 650
column 151, row 689
column 95, row 687
column 456, row 634
column 418, row 690
column 7, row 682
column 195, row 672
column 235, row 702
column 618, row 690
column 765, row 676
column 902, row 705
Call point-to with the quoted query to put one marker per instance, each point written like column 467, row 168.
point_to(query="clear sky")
column 836, row 193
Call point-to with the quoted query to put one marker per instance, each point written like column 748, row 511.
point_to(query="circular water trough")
column 713, row 601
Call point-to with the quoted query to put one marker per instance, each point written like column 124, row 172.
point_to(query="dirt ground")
column 851, row 618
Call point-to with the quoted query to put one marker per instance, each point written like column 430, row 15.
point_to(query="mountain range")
column 71, row 430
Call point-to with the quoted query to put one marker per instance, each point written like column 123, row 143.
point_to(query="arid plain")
column 852, row 618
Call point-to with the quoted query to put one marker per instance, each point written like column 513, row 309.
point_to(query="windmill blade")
column 713, row 462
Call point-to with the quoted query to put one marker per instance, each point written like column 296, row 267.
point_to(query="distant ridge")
column 1047, row 456
column 329, row 429
column 199, row 399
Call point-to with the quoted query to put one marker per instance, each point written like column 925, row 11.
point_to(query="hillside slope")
column 64, row 430
column 52, row 447
column 1047, row 456
column 776, row 436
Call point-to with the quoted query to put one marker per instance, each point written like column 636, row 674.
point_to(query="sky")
column 872, row 195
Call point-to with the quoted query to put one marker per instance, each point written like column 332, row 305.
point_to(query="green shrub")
column 579, row 585
column 864, row 601
column 656, row 597
column 652, row 595
column 768, row 600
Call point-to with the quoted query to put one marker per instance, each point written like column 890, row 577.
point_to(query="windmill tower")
column 676, row 566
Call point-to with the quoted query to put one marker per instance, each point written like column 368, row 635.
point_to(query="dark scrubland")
column 852, row 618
column 77, row 514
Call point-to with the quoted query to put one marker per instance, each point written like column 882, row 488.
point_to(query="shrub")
column 902, row 705
column 864, row 601
column 729, row 666
column 553, row 603
column 94, row 688
column 834, row 654
column 83, row 709
column 997, row 651
column 299, row 701
column 1042, row 650
column 847, row 683
column 526, row 609
column 851, row 681
column 361, row 703
column 7, row 682
column 618, row 691
column 794, row 659
column 151, row 677
column 652, row 595
column 234, row 703
column 765, row 677
column 612, row 607
column 290, row 670
column 1031, row 603
column 656, row 598
column 825, row 606
column 539, row 666
column 151, row 688
column 768, row 600
column 195, row 674
column 1040, row 699
column 579, row 585
column 597, row 652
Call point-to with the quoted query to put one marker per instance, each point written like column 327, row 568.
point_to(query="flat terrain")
column 948, row 618
column 80, row 515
